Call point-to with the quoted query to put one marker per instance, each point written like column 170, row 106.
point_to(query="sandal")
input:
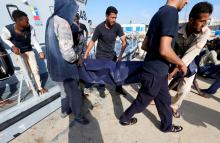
column 131, row 122
column 42, row 91
column 176, row 129
column 176, row 114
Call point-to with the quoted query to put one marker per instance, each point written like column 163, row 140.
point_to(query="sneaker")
column 63, row 115
column 82, row 120
column 132, row 121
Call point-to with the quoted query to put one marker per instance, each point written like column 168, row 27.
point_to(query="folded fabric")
column 109, row 72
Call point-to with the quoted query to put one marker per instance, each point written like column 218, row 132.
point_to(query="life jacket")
column 23, row 42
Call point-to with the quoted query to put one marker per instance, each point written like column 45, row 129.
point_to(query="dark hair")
column 16, row 14
column 77, row 16
column 201, row 7
column 111, row 9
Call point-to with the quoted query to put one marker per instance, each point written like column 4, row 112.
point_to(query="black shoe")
column 132, row 121
column 176, row 129
column 120, row 91
column 82, row 120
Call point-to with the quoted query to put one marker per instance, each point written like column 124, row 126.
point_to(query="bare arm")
column 169, row 55
column 123, row 46
column 170, row 76
column 89, row 48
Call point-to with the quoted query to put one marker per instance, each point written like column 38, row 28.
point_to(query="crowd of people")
column 173, row 52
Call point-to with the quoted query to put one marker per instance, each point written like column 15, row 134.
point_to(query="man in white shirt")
column 20, row 37
column 192, row 37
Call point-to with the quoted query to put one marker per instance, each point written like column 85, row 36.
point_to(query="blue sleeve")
column 96, row 34
column 169, row 23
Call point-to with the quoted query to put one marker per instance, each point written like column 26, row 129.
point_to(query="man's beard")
column 109, row 25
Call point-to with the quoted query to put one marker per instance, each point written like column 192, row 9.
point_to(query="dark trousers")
column 209, row 70
column 152, row 88
column 72, row 101
column 214, row 87
column 101, row 87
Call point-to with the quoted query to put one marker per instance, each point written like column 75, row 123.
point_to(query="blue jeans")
column 72, row 99
column 209, row 70
column 155, row 88
column 213, row 88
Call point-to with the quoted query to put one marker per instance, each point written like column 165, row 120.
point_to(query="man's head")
column 20, row 18
column 179, row 4
column 200, row 16
column 111, row 15
column 66, row 9
column 76, row 18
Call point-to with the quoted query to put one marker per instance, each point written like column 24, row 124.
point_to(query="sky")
column 137, row 11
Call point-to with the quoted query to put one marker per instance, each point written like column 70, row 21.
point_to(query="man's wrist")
column 85, row 56
column 181, row 64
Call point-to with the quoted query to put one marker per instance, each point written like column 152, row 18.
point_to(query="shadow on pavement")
column 200, row 115
column 90, row 133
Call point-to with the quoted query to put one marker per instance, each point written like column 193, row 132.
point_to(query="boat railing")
column 21, row 75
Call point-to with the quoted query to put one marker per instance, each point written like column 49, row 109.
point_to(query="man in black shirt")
column 106, row 34
column 154, row 83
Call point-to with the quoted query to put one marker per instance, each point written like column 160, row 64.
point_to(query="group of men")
column 165, row 44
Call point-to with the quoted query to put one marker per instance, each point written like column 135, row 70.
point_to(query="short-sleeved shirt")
column 187, row 47
column 163, row 23
column 106, row 40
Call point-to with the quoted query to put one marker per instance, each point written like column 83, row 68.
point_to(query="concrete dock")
column 200, row 118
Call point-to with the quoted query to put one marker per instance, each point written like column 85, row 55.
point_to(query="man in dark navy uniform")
column 154, row 83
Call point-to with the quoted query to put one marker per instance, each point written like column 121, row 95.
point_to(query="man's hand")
column 85, row 56
column 80, row 62
column 16, row 50
column 183, row 69
column 170, row 75
column 42, row 55
column 119, row 59
column 89, row 48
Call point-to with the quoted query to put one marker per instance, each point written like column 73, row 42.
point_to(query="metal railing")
column 21, row 75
